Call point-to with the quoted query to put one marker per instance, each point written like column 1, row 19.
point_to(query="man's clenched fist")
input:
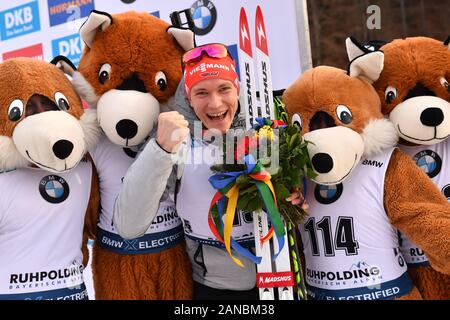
column 172, row 130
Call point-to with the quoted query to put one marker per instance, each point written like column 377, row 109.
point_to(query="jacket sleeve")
column 417, row 208
column 143, row 186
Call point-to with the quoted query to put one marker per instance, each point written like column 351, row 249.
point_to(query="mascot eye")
column 297, row 121
column 445, row 84
column 390, row 94
column 62, row 101
column 15, row 110
column 344, row 114
column 103, row 74
column 161, row 81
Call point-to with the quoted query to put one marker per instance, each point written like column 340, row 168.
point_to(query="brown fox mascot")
column 364, row 190
column 415, row 93
column 46, row 182
column 128, row 73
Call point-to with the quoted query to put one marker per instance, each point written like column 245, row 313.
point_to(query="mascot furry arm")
column 416, row 207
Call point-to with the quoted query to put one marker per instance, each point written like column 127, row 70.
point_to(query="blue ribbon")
column 223, row 179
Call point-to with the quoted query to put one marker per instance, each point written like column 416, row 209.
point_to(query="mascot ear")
column 97, row 20
column 64, row 64
column 367, row 66
column 184, row 37
column 447, row 42
column 354, row 48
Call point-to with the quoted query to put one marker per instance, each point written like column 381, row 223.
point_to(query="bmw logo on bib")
column 327, row 194
column 204, row 14
column 429, row 161
column 54, row 189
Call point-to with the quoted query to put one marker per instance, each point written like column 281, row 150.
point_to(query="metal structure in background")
column 304, row 40
column 182, row 19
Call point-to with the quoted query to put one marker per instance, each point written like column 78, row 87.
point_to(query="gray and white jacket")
column 154, row 174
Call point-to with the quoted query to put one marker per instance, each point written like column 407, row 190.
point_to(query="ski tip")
column 260, row 32
column 242, row 13
column 244, row 33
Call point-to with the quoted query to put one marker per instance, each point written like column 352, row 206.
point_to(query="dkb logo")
column 70, row 46
column 19, row 20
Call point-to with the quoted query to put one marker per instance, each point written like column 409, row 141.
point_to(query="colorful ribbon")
column 261, row 122
column 227, row 196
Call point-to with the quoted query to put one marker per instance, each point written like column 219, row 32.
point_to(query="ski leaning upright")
column 269, row 274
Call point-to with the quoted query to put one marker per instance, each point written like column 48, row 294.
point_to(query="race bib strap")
column 384, row 291
column 419, row 264
column 148, row 243
column 78, row 292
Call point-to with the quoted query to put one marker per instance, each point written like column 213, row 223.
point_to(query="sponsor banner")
column 63, row 11
column 18, row 21
column 53, row 20
column 148, row 243
column 204, row 14
column 34, row 51
column 70, row 46
column 274, row 279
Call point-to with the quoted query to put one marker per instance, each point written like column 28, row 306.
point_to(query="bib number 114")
column 344, row 236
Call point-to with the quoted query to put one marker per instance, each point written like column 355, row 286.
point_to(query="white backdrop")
column 46, row 28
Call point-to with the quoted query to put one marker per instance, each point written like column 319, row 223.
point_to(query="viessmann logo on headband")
column 203, row 67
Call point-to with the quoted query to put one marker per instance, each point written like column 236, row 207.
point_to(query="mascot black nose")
column 431, row 117
column 127, row 129
column 322, row 162
column 62, row 149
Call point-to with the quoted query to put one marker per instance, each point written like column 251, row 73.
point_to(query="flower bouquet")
column 270, row 162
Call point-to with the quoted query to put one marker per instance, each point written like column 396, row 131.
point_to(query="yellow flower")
column 265, row 132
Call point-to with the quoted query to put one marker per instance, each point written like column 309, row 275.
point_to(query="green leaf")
column 281, row 191
column 251, row 188
column 295, row 140
column 243, row 200
column 243, row 180
column 310, row 173
column 295, row 178
column 254, row 205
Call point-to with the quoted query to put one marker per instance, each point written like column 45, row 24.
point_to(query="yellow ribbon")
column 233, row 195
